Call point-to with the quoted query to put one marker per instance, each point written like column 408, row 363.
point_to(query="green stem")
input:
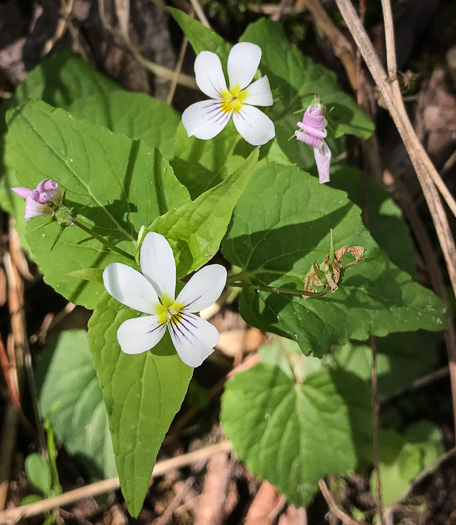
column 289, row 291
column 100, row 238
column 236, row 277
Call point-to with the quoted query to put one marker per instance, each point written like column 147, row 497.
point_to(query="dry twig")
column 339, row 513
column 342, row 47
column 200, row 13
column 177, row 70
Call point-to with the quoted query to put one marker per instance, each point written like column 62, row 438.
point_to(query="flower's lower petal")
column 323, row 160
column 203, row 289
column 140, row 334
column 253, row 125
column 205, row 120
column 130, row 287
column 194, row 338
column 36, row 209
column 259, row 93
column 158, row 265
column 209, row 74
column 315, row 142
column 315, row 132
column 243, row 62
column 22, row 191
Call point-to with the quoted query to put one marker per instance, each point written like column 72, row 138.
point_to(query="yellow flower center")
column 233, row 98
column 168, row 309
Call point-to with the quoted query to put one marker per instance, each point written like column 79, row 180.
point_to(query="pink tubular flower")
column 313, row 133
column 36, row 201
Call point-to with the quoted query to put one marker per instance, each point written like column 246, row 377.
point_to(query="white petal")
column 140, row 334
column 323, row 160
column 209, row 74
column 243, row 62
column 158, row 265
column 205, row 119
column 203, row 288
column 259, row 93
column 194, row 338
column 129, row 287
column 253, row 125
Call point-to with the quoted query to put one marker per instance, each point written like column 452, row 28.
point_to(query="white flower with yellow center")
column 206, row 119
column 153, row 292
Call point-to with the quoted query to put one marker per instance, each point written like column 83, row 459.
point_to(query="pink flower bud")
column 313, row 133
column 36, row 199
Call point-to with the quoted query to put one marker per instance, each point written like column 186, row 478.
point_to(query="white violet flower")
column 206, row 119
column 153, row 292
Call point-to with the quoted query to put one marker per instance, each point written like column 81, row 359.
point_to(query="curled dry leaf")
column 328, row 275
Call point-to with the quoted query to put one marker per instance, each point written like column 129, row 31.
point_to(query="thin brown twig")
column 177, row 70
column 11, row 385
column 272, row 9
column 178, row 498
column 391, row 62
column 67, row 8
column 333, row 507
column 21, row 357
column 200, row 13
column 107, row 485
column 343, row 49
column 376, row 428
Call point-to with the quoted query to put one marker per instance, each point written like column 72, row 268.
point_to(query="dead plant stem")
column 200, row 13
column 341, row 45
column 333, row 507
column 177, row 70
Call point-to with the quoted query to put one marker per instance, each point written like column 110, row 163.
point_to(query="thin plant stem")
column 101, row 239
column 274, row 289
column 375, row 428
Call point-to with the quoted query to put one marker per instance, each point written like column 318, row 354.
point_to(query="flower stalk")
column 278, row 290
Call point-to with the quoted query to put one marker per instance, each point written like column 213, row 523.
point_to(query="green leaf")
column 38, row 473
column 136, row 115
column 69, row 395
column 278, row 232
column 297, row 78
column 202, row 164
column 402, row 358
column 31, row 498
column 115, row 184
column 196, row 229
column 286, row 432
column 142, row 394
column 403, row 457
column 384, row 215
column 201, row 38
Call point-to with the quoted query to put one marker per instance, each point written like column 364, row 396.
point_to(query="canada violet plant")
column 129, row 238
